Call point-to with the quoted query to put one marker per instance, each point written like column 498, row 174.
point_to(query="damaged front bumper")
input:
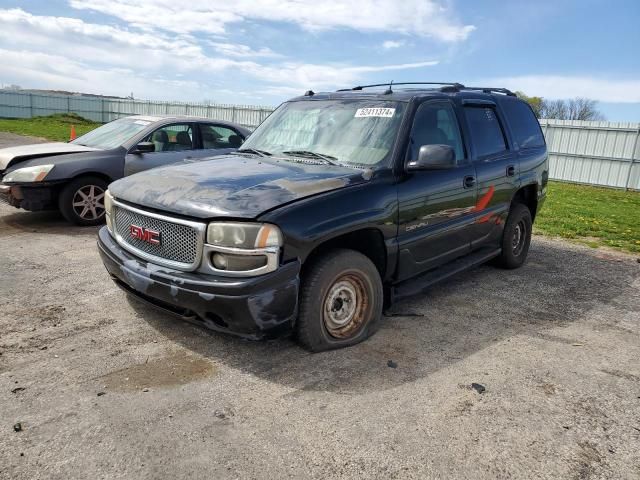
column 28, row 197
column 256, row 307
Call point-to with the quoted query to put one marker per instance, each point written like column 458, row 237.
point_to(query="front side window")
column 435, row 124
column 172, row 138
column 112, row 134
column 485, row 130
column 217, row 136
column 349, row 131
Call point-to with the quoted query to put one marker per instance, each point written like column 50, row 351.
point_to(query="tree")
column 573, row 109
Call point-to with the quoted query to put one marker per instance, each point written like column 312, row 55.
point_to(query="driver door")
column 435, row 206
column 173, row 143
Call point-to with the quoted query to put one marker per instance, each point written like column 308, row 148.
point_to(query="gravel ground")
column 104, row 387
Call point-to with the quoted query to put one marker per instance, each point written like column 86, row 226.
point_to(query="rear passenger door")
column 173, row 143
column 497, row 167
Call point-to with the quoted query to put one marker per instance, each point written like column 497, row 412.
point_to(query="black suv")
column 338, row 204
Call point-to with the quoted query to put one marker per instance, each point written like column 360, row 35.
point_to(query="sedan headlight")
column 243, row 235
column 242, row 249
column 28, row 174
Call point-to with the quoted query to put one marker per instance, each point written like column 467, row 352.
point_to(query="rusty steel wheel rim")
column 345, row 306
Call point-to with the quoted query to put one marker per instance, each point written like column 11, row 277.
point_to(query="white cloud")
column 559, row 86
column 66, row 53
column 426, row 18
column 389, row 44
column 242, row 51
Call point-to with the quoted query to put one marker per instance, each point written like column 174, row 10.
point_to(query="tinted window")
column 435, row 124
column 217, row 136
column 172, row 138
column 523, row 123
column 486, row 132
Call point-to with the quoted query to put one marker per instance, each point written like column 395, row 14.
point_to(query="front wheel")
column 516, row 237
column 82, row 201
column 340, row 301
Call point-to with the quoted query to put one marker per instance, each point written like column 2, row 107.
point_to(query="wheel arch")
column 368, row 241
column 528, row 196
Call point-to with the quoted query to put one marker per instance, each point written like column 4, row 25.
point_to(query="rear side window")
column 486, row 132
column 523, row 123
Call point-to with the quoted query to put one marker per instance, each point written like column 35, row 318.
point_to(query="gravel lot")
column 106, row 388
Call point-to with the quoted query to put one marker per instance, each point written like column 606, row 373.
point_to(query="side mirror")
column 144, row 147
column 433, row 157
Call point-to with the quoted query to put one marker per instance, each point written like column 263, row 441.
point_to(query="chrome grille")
column 179, row 243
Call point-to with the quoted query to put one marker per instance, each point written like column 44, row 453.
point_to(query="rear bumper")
column 258, row 307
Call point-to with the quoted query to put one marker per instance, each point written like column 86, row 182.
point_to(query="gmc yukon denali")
column 337, row 205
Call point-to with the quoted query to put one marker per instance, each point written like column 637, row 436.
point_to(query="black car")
column 73, row 176
column 337, row 205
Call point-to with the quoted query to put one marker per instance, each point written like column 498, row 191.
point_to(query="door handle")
column 469, row 181
column 511, row 171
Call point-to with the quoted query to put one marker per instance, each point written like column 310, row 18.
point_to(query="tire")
column 516, row 237
column 81, row 201
column 326, row 320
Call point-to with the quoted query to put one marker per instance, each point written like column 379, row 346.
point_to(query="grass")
column 591, row 215
column 54, row 127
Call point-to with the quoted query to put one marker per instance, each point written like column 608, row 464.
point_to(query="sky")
column 261, row 52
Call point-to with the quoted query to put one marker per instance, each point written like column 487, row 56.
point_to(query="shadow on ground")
column 47, row 222
column 460, row 317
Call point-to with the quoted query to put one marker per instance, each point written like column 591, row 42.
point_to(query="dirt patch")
column 178, row 368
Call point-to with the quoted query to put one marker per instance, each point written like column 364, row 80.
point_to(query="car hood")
column 12, row 155
column 232, row 185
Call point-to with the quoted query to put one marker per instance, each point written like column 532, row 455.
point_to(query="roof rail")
column 362, row 87
column 506, row 91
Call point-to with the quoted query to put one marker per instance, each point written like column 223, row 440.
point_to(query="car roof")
column 188, row 118
column 185, row 118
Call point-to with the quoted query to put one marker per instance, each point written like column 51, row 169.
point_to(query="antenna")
column 389, row 91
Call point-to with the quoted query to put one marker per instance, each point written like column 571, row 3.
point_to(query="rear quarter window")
column 523, row 123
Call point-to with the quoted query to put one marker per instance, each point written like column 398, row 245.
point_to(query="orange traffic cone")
column 73, row 133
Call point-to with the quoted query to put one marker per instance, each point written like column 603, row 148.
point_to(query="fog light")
column 238, row 263
column 219, row 261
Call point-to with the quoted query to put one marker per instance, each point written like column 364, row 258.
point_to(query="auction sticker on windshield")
column 375, row 112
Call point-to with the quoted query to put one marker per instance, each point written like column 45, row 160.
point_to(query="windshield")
column 112, row 134
column 347, row 131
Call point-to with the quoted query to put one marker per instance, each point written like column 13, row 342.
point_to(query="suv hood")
column 12, row 155
column 232, row 185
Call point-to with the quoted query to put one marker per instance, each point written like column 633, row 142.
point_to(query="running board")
column 422, row 282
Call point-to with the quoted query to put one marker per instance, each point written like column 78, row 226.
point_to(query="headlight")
column 242, row 249
column 243, row 235
column 28, row 174
column 108, row 208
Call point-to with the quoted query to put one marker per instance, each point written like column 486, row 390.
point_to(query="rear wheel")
column 82, row 201
column 340, row 301
column 516, row 237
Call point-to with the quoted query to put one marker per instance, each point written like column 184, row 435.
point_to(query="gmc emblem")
column 145, row 234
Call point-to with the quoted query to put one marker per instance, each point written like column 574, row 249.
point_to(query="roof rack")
column 506, row 91
column 362, row 87
column 446, row 87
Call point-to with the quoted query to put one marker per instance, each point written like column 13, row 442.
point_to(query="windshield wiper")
column 255, row 151
column 309, row 154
